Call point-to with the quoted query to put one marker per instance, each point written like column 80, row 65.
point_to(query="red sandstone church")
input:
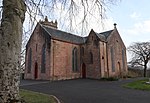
column 52, row 54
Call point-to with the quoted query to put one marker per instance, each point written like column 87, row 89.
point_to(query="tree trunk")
column 10, row 48
column 145, row 68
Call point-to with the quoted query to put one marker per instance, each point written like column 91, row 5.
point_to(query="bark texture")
column 10, row 48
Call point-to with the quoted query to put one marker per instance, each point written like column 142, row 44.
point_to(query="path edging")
column 58, row 101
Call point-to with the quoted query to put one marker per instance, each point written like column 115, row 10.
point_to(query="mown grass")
column 139, row 84
column 33, row 97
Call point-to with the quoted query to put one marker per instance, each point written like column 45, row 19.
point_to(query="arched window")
column 29, row 60
column 43, row 62
column 112, row 59
column 74, row 60
column 123, row 61
column 82, row 51
column 91, row 58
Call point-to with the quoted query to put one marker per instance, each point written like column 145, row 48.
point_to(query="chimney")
column 49, row 24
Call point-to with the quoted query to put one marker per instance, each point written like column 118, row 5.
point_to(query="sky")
column 133, row 20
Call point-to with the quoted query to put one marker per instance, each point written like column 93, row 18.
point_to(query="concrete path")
column 89, row 91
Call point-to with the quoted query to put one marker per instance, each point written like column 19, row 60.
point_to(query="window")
column 96, row 42
column 43, row 62
column 91, row 58
column 92, row 37
column 74, row 60
column 112, row 60
column 123, row 61
column 29, row 60
column 82, row 51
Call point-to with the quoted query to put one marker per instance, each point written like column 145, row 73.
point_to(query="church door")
column 83, row 70
column 36, row 71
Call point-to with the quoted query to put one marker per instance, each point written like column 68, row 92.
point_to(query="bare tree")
column 12, row 18
column 140, row 55
column 79, row 15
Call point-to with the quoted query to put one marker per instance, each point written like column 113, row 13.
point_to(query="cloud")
column 139, row 32
column 140, row 28
column 135, row 15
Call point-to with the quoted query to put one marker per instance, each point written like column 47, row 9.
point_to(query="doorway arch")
column 36, row 71
column 83, row 70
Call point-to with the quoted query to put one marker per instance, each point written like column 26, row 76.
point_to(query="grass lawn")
column 139, row 84
column 33, row 97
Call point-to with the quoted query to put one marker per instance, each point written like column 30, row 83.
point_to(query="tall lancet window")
column 29, row 60
column 43, row 61
column 91, row 58
column 112, row 59
column 74, row 60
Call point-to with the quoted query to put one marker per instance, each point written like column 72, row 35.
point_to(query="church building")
column 52, row 54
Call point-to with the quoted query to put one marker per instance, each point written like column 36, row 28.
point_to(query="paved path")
column 32, row 82
column 89, row 91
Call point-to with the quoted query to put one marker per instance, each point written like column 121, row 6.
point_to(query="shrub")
column 110, row 79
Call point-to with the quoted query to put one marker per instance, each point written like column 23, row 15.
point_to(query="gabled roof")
column 101, row 37
column 64, row 36
column 68, row 37
column 106, row 33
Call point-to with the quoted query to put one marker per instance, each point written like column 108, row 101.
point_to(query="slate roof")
column 101, row 37
column 68, row 37
column 106, row 33
column 64, row 36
